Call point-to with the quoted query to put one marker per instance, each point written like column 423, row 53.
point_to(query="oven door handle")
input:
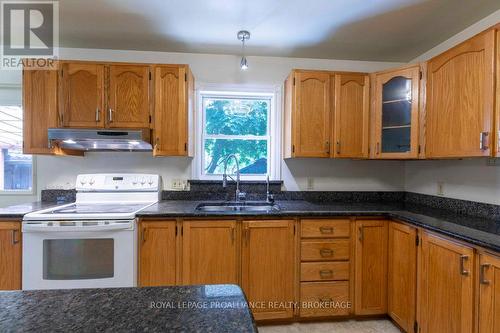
column 45, row 228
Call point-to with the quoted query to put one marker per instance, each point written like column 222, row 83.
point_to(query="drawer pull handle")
column 325, row 273
column 326, row 300
column 463, row 271
column 482, row 274
column 326, row 252
column 326, row 230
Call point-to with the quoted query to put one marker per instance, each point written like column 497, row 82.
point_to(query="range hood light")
column 134, row 142
column 69, row 141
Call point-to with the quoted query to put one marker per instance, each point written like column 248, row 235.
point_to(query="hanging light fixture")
column 243, row 35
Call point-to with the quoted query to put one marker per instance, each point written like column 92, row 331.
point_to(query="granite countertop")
column 476, row 230
column 18, row 211
column 204, row 308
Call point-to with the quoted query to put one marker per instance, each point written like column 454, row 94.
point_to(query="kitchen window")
column 16, row 169
column 239, row 123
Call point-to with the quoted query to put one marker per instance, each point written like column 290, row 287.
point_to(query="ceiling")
column 383, row 30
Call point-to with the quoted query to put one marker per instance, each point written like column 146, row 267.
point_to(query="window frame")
column 32, row 191
column 272, row 93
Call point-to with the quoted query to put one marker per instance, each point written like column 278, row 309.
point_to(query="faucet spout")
column 238, row 195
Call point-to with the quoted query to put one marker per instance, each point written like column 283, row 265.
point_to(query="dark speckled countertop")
column 476, row 230
column 205, row 308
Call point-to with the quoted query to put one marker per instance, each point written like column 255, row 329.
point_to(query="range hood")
column 99, row 139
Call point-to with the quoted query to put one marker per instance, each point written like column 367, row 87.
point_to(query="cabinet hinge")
column 293, row 81
column 417, row 240
column 294, row 229
column 149, row 76
column 62, row 72
column 420, row 75
column 185, row 146
column 150, row 119
column 176, row 230
column 293, row 148
column 182, row 230
column 415, row 327
column 419, row 149
column 185, row 77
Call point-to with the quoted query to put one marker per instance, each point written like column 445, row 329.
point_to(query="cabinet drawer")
column 324, row 271
column 318, row 228
column 319, row 299
column 324, row 250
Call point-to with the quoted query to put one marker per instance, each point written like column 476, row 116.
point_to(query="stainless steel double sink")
column 222, row 207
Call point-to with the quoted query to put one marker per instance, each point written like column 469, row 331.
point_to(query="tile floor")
column 351, row 326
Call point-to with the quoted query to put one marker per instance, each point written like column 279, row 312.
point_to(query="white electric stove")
column 92, row 242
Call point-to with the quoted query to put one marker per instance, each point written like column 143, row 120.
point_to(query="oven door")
column 79, row 254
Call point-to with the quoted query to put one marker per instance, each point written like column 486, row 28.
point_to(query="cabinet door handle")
column 483, row 140
column 338, row 147
column 360, row 234
column 110, row 115
column 325, row 273
column 326, row 230
column 15, row 240
column 463, row 258
column 326, row 252
column 482, row 274
column 143, row 235
column 97, row 115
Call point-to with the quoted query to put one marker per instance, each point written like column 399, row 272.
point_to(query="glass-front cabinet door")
column 397, row 114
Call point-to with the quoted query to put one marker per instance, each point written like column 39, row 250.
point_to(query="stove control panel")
column 110, row 182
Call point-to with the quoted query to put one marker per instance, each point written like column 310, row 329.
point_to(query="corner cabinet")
column 446, row 286
column 268, row 267
column 10, row 255
column 174, row 111
column 371, row 267
column 460, row 99
column 396, row 113
column 351, row 102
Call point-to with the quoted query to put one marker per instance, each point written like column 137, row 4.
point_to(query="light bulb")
column 244, row 63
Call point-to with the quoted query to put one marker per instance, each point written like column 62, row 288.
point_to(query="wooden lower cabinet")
column 209, row 252
column 320, row 299
column 489, row 294
column 445, row 286
column 402, row 274
column 10, row 255
column 371, row 267
column 157, row 253
column 268, row 267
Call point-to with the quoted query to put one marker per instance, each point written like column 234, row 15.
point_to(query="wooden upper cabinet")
column 489, row 294
column 402, row 274
column 396, row 113
column 371, row 267
column 268, row 267
column 173, row 116
column 82, row 95
column 351, row 101
column 209, row 252
column 460, row 99
column 157, row 253
column 128, row 96
column 445, row 294
column 39, row 109
column 496, row 140
column 10, row 255
column 307, row 114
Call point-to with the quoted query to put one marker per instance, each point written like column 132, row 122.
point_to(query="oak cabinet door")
column 311, row 119
column 402, row 268
column 268, row 266
column 209, row 252
column 371, row 267
column 173, row 93
column 10, row 255
column 489, row 294
column 460, row 99
column 39, row 109
column 351, row 94
column 128, row 96
column 496, row 140
column 157, row 253
column 396, row 113
column 445, row 294
column 82, row 95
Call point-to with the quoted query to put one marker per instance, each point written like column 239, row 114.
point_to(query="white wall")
column 60, row 172
column 462, row 179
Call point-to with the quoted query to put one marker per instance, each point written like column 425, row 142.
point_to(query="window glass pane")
column 15, row 168
column 235, row 116
column 252, row 156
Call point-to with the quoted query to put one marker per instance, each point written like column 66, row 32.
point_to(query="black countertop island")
column 204, row 308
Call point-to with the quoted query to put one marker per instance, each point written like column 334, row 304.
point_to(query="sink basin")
column 237, row 207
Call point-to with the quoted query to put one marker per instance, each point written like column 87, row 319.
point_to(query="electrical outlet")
column 440, row 188
column 178, row 184
column 310, row 183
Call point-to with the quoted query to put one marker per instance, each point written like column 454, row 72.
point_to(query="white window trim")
column 274, row 143
column 33, row 157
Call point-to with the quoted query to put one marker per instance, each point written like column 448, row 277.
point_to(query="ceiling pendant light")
column 243, row 35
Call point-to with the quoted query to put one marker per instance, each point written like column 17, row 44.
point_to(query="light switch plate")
column 179, row 184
